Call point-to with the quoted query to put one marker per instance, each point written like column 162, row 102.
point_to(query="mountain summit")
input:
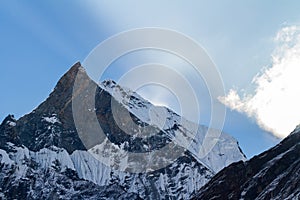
column 43, row 154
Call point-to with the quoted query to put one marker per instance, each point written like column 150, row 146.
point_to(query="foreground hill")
column 274, row 174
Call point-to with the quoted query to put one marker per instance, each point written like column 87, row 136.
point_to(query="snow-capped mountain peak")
column 43, row 155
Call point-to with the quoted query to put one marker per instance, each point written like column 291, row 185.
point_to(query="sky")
column 254, row 45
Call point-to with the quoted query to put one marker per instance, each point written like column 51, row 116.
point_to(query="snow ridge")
column 225, row 152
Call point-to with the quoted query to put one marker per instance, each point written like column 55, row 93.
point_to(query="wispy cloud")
column 275, row 101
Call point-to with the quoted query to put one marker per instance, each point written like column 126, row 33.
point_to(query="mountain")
column 274, row 174
column 45, row 154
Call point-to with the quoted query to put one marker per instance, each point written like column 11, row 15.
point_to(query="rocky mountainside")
column 274, row 174
column 42, row 154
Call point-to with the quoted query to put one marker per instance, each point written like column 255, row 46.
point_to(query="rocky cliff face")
column 42, row 154
column 273, row 174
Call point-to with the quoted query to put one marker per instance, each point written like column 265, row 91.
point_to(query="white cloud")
column 275, row 102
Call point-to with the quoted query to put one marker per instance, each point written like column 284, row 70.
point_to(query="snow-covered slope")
column 225, row 152
column 48, row 174
column 180, row 179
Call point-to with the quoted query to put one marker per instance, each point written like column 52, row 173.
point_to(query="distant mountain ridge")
column 42, row 155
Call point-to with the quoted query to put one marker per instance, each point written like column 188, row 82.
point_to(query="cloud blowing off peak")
column 275, row 101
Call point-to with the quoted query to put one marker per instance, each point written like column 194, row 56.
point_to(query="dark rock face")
column 35, row 132
column 274, row 174
column 8, row 132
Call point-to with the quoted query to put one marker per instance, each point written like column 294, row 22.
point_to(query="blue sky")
column 40, row 40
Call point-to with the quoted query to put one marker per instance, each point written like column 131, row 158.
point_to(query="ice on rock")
column 10, row 123
column 53, row 119
column 89, row 168
column 47, row 157
column 4, row 158
column 297, row 129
